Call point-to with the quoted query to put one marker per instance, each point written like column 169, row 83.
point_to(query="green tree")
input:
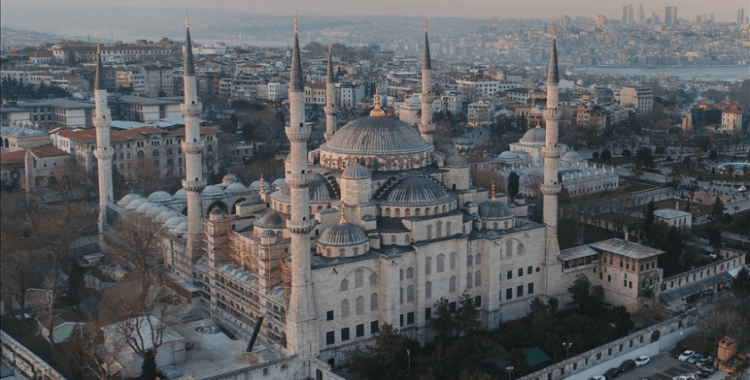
column 580, row 290
column 442, row 320
column 513, row 184
column 148, row 369
column 717, row 209
column 741, row 285
column 385, row 358
column 649, row 220
column 76, row 284
column 697, row 155
column 713, row 155
column 606, row 155
column 520, row 363
column 467, row 315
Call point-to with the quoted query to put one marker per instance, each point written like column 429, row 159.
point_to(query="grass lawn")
column 679, row 168
column 696, row 209
column 734, row 227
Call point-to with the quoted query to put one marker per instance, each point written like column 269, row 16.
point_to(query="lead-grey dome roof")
column 456, row 162
column 536, row 135
column 356, row 172
column 346, row 234
column 272, row 220
column 494, row 210
column 320, row 190
column 377, row 135
column 416, row 191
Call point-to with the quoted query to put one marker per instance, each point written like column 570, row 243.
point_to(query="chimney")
column 677, row 205
column 626, row 234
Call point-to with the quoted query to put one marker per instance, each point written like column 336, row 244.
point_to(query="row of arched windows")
column 359, row 280
column 439, row 263
column 417, row 211
column 359, row 305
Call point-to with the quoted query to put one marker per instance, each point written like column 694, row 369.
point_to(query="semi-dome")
column 229, row 179
column 572, row 156
column 271, row 220
column 536, row 136
column 160, row 197
column 180, row 194
column 494, row 210
column 416, row 191
column 340, row 235
column 212, row 190
column 377, row 135
column 508, row 155
column 135, row 203
column 356, row 172
column 255, row 186
column 127, row 199
column 457, row 161
column 236, row 186
column 319, row 189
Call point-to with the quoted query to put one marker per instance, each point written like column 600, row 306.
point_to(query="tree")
column 229, row 125
column 580, row 290
column 82, row 352
column 520, row 363
column 513, row 184
column 643, row 157
column 385, row 358
column 649, row 219
column 76, row 284
column 717, row 209
column 135, row 240
column 443, row 133
column 486, row 178
column 713, row 155
column 725, row 320
column 148, row 369
column 442, row 322
column 697, row 155
column 741, row 285
column 467, row 315
column 21, row 266
column 606, row 155
column 626, row 153
column 595, row 155
column 681, row 141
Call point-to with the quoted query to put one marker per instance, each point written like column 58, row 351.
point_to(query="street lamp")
column 509, row 368
column 567, row 348
column 408, row 352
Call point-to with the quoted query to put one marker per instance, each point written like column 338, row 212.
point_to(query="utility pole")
column 567, row 347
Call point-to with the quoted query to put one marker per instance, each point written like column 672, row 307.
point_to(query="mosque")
column 371, row 228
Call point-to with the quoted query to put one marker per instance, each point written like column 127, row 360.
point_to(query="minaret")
column 302, row 326
column 426, row 128
column 330, row 107
column 193, row 148
column 103, row 152
column 30, row 174
column 551, row 152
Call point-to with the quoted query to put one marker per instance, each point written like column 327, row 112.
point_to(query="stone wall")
column 27, row 364
column 628, row 347
column 732, row 259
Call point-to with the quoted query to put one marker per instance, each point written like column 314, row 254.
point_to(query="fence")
column 28, row 365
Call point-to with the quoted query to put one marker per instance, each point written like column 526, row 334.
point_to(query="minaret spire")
column 193, row 148
column 330, row 108
column 426, row 128
column 302, row 332
column 103, row 152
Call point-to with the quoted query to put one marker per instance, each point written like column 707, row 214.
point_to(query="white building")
column 641, row 99
column 480, row 112
column 731, row 121
column 674, row 218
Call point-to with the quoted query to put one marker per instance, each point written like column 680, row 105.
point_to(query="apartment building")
column 641, row 99
column 59, row 113
column 147, row 110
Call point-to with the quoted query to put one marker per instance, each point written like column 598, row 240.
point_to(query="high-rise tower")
column 193, row 148
column 302, row 328
column 551, row 152
column 103, row 152
column 330, row 107
column 426, row 128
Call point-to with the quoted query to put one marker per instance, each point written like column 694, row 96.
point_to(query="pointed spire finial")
column 343, row 215
column 98, row 48
column 493, row 192
column 295, row 74
column 98, row 81
column 187, row 21
column 329, row 49
column 425, row 25
column 262, row 184
column 554, row 31
column 296, row 26
column 377, row 111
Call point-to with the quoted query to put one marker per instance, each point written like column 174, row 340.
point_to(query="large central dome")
column 377, row 135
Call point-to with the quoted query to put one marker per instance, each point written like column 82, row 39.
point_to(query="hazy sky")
column 725, row 10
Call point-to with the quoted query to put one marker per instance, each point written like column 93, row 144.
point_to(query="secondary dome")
column 416, row 191
column 271, row 220
column 319, row 189
column 236, row 186
column 255, row 186
column 181, row 194
column 535, row 136
column 160, row 197
column 456, row 162
column 343, row 235
column 127, row 199
column 377, row 135
column 508, row 155
column 212, row 190
column 356, row 172
column 572, row 156
column 229, row 179
column 135, row 203
column 494, row 210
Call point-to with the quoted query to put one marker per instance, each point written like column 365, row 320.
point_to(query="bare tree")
column 725, row 319
column 136, row 240
column 20, row 268
column 485, row 179
column 86, row 353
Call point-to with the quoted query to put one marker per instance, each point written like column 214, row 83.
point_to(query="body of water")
column 724, row 73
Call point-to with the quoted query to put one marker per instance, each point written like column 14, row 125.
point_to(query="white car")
column 685, row 355
column 598, row 377
column 642, row 360
column 742, row 188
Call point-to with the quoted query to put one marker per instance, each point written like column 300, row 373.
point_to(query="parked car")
column 627, row 365
column 642, row 360
column 598, row 377
column 694, row 358
column 705, row 362
column 680, row 378
column 612, row 373
column 685, row 355
column 676, row 351
column 693, row 375
column 705, row 371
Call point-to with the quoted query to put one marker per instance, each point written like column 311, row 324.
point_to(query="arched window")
column 393, row 239
column 344, row 308
column 452, row 284
column 427, row 265
column 437, row 210
column 387, row 211
column 453, row 260
column 360, row 305
column 508, row 248
column 342, row 252
column 344, row 285
column 469, row 282
column 429, row 232
column 410, row 293
column 478, row 278
column 398, row 212
column 358, row 278
column 469, row 260
column 407, row 212
column 427, row 211
column 401, row 295
column 520, row 249
column 407, row 240
column 440, row 264
column 417, row 211
column 428, row 289
column 439, row 229
column 374, row 301
column 373, row 280
column 141, row 154
column 448, row 229
column 401, row 275
column 478, row 259
column 410, row 273
column 155, row 153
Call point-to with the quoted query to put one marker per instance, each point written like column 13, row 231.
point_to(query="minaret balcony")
column 297, row 180
column 193, row 147
column 104, row 153
column 194, row 185
column 426, row 98
column 300, row 226
column 299, row 134
column 550, row 114
column 330, row 110
column 193, row 109
column 551, row 189
column 552, row 152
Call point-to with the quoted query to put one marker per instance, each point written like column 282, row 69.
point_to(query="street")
column 662, row 366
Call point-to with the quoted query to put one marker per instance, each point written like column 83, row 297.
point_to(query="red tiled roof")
column 89, row 135
column 204, row 130
column 48, row 150
column 16, row 157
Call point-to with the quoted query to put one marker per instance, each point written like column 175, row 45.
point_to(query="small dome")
column 160, row 197
column 175, row 221
column 255, row 186
column 519, row 196
column 145, row 207
column 182, row 227
column 180, row 194
column 572, row 156
column 535, row 136
column 456, row 162
column 156, row 210
column 127, row 199
column 271, row 220
column 167, row 214
column 278, row 183
column 137, row 202
column 494, row 210
column 229, row 179
column 212, row 191
column 417, row 191
column 343, row 235
column 319, row 189
column 356, row 172
column 236, row 186
column 414, row 99
column 508, row 155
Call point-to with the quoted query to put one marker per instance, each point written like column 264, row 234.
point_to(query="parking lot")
column 664, row 367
